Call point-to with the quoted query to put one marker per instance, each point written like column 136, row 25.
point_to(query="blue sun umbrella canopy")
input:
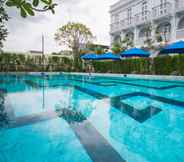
column 135, row 52
column 108, row 56
column 90, row 56
column 177, row 47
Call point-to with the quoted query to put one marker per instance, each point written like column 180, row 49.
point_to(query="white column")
column 153, row 35
column 178, row 18
column 136, row 36
column 122, row 35
column 173, row 28
column 112, row 38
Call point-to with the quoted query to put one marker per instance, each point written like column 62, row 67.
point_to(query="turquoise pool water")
column 72, row 118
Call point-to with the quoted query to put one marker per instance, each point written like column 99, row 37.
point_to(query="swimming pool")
column 75, row 118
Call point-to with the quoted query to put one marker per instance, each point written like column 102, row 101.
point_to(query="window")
column 181, row 24
column 144, row 10
column 165, row 31
column 129, row 15
column 116, row 17
column 163, row 6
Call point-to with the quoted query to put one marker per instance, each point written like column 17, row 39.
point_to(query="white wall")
column 136, row 6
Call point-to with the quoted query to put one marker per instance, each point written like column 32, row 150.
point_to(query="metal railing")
column 161, row 10
column 179, row 5
column 142, row 17
column 125, row 23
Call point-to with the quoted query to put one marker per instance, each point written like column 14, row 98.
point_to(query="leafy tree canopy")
column 126, row 43
column 74, row 35
column 29, row 7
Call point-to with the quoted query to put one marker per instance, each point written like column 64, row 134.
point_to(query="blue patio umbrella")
column 177, row 47
column 90, row 56
column 135, row 52
column 108, row 56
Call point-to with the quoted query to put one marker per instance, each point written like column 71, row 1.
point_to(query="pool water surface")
column 75, row 118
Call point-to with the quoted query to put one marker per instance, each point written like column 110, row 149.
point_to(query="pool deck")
column 161, row 77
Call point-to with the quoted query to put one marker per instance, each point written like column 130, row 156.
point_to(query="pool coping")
column 141, row 76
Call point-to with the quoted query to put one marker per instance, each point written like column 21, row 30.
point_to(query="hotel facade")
column 131, row 17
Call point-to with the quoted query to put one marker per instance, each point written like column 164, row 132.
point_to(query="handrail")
column 162, row 4
column 140, row 13
column 179, row 4
column 161, row 10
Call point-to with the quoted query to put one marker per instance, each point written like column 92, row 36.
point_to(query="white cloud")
column 25, row 34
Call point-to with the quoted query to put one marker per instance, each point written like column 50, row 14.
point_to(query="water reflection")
column 71, row 116
column 4, row 120
column 154, row 140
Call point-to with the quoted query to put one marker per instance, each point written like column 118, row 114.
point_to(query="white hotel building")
column 129, row 17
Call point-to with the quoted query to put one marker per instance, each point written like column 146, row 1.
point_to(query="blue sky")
column 25, row 34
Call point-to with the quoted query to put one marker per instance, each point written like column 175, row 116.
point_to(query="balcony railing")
column 126, row 23
column 179, row 5
column 115, row 27
column 162, row 10
column 142, row 17
column 180, row 34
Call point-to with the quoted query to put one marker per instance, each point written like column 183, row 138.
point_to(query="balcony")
column 141, row 41
column 179, row 6
column 162, row 10
column 180, row 34
column 126, row 23
column 115, row 27
column 142, row 17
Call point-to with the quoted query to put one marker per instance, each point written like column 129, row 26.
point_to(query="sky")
column 25, row 34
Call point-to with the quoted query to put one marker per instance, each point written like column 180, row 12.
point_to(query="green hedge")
column 169, row 65
column 139, row 66
column 21, row 62
column 164, row 65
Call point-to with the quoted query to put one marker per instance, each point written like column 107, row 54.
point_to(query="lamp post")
column 43, row 69
column 43, row 64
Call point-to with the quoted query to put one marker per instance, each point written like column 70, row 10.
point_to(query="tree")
column 158, row 36
column 26, row 7
column 3, row 19
column 29, row 7
column 116, row 47
column 127, row 42
column 149, row 42
column 75, row 36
